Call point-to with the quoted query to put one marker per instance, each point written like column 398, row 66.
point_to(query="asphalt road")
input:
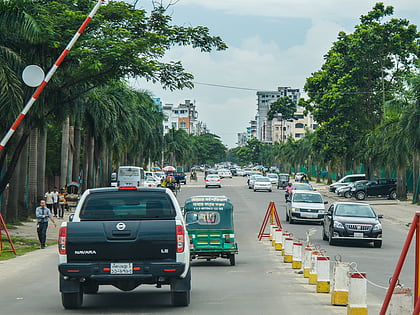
column 259, row 283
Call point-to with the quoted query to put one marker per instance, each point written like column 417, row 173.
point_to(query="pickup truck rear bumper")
column 102, row 270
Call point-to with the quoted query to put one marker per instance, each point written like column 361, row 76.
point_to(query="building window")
column 174, row 125
column 277, row 128
column 314, row 126
column 299, row 116
column 182, row 124
column 298, row 135
column 298, row 125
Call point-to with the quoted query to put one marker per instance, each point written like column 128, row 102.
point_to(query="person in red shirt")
column 288, row 190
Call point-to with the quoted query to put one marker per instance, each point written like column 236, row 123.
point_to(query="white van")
column 346, row 180
column 132, row 176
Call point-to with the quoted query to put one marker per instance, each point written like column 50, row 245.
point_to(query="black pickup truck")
column 383, row 187
column 124, row 237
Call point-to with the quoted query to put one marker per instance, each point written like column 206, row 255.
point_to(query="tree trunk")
column 42, row 156
column 33, row 169
column 64, row 152
column 416, row 178
column 71, row 154
column 402, row 183
column 76, row 154
column 23, row 207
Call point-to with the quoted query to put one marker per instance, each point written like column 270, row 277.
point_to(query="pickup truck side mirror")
column 325, row 202
column 71, row 216
column 380, row 216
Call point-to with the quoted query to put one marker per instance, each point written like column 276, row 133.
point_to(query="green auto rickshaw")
column 209, row 222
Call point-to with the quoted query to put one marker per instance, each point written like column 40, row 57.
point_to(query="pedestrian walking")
column 62, row 202
column 49, row 199
column 43, row 214
column 55, row 201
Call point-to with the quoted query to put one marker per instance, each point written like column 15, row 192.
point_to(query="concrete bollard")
column 297, row 255
column 323, row 274
column 288, row 250
column 312, row 272
column 284, row 236
column 307, row 253
column 401, row 302
column 278, row 233
column 272, row 226
column 340, row 284
column 357, row 294
column 273, row 233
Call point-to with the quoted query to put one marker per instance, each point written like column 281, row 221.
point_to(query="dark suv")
column 376, row 188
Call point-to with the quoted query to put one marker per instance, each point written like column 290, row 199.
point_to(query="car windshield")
column 302, row 186
column 312, row 198
column 272, row 175
column 213, row 176
column 126, row 205
column 349, row 210
column 262, row 179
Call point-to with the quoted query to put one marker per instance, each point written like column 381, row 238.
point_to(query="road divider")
column 313, row 272
column 340, row 283
column 323, row 274
column 288, row 250
column 357, row 294
column 307, row 253
column 297, row 255
column 278, row 239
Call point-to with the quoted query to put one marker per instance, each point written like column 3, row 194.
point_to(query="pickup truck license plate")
column 121, row 268
column 358, row 235
column 309, row 215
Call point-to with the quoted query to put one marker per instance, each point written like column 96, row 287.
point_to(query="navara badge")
column 120, row 226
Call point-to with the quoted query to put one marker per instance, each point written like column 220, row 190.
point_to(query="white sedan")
column 262, row 183
column 224, row 173
column 213, row 180
column 274, row 178
column 151, row 181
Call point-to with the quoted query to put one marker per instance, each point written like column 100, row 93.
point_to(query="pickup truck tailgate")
column 121, row 241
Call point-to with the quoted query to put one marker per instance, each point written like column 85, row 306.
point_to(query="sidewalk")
column 401, row 212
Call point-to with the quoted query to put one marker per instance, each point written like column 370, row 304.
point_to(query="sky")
column 271, row 43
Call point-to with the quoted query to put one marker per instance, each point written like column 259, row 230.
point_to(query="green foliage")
column 208, row 149
column 284, row 106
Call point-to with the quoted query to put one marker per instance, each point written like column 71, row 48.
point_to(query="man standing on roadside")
column 49, row 197
column 43, row 214
column 55, row 199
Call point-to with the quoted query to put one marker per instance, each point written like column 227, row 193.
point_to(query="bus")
column 130, row 176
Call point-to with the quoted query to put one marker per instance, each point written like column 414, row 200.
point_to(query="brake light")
column 62, row 240
column 207, row 180
column 127, row 188
column 180, row 239
column 218, row 179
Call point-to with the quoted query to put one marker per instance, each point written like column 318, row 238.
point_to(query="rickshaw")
column 209, row 222
column 283, row 181
column 73, row 195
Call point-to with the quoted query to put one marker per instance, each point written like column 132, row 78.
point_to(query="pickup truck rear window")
column 126, row 205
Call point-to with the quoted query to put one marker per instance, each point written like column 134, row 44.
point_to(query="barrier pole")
column 50, row 73
column 313, row 272
column 323, row 274
column 297, row 255
column 288, row 250
column 284, row 236
column 357, row 294
column 307, row 261
column 278, row 242
column 413, row 227
column 340, row 284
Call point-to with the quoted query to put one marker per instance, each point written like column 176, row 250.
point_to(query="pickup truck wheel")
column 72, row 300
column 232, row 259
column 393, row 195
column 180, row 298
column 91, row 287
column 347, row 194
column 360, row 195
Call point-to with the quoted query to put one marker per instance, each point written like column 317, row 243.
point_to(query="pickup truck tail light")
column 62, row 240
column 180, row 239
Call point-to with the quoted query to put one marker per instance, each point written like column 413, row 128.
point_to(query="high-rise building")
column 184, row 116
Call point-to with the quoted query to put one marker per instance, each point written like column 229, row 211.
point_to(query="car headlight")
column 377, row 227
column 295, row 209
column 338, row 225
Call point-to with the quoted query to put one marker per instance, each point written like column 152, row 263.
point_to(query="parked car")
column 213, row 180
column 283, row 180
column 352, row 221
column 223, row 173
column 262, row 183
column 274, row 178
column 240, row 172
column 383, row 187
column 247, row 171
column 345, row 191
column 299, row 176
column 252, row 179
column 151, row 181
column 347, row 179
column 305, row 205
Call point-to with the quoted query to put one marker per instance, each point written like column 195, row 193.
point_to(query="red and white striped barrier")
column 278, row 236
column 323, row 274
column 297, row 255
column 288, row 250
column 340, row 284
column 47, row 78
column 357, row 294
column 307, row 253
column 313, row 271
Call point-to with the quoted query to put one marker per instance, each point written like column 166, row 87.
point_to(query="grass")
column 22, row 246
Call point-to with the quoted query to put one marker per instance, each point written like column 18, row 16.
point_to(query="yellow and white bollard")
column 323, row 274
column 272, row 227
column 288, row 250
column 297, row 255
column 284, row 236
column 312, row 272
column 401, row 301
column 307, row 253
column 357, row 294
column 340, row 284
column 278, row 233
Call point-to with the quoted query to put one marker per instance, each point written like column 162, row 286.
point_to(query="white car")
column 224, row 173
column 151, row 181
column 252, row 179
column 262, row 183
column 213, row 180
column 298, row 176
column 274, row 178
column 240, row 172
column 247, row 171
